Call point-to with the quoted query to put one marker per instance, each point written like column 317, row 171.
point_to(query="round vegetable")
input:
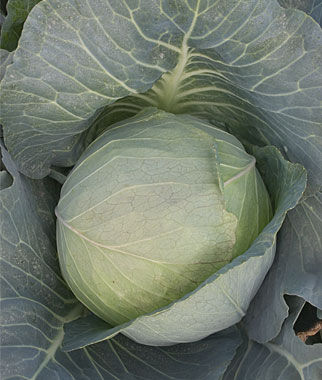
column 156, row 205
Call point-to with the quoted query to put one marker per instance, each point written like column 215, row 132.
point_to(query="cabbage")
column 154, row 207
column 179, row 142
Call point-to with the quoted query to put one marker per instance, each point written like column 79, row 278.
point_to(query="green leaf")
column 5, row 60
column 35, row 301
column 121, row 358
column 183, row 361
column 316, row 11
column 17, row 12
column 284, row 358
column 71, row 61
column 311, row 7
column 297, row 270
column 252, row 65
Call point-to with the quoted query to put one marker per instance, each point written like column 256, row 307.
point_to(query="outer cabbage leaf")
column 5, row 60
column 284, row 358
column 121, row 358
column 316, row 11
column 72, row 59
column 311, row 7
column 250, row 65
column 35, row 303
column 17, row 12
column 297, row 266
column 297, row 270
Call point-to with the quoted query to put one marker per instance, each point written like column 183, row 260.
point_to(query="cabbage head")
column 155, row 206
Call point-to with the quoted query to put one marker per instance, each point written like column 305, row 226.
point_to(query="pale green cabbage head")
column 155, row 206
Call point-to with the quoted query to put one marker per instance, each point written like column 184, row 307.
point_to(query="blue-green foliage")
column 252, row 68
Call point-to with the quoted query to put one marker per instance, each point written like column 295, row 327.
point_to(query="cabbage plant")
column 161, row 189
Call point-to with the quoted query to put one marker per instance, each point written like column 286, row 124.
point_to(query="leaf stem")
column 57, row 176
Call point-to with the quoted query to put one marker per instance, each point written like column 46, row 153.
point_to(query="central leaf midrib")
column 171, row 82
column 55, row 345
